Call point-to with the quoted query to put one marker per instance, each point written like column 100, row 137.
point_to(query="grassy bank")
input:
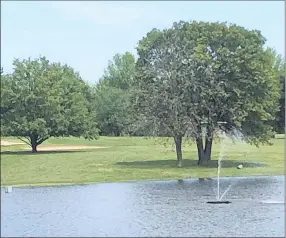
column 127, row 158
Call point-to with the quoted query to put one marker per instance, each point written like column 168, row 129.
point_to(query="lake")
column 163, row 208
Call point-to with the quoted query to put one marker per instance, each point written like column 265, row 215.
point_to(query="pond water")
column 165, row 208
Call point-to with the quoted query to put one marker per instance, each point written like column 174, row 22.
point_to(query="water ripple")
column 165, row 208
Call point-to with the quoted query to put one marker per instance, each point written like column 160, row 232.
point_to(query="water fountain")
column 223, row 137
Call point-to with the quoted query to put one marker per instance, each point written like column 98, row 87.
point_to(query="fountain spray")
column 222, row 136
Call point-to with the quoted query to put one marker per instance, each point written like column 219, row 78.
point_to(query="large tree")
column 162, row 97
column 44, row 100
column 198, row 72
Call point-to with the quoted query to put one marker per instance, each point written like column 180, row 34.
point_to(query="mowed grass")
column 131, row 158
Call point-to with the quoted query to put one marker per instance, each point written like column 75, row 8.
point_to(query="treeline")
column 113, row 98
column 190, row 76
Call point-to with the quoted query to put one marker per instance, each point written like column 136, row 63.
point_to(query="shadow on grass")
column 27, row 152
column 188, row 163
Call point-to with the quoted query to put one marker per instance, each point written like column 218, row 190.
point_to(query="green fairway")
column 129, row 158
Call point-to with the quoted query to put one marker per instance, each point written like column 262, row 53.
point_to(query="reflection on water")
column 146, row 209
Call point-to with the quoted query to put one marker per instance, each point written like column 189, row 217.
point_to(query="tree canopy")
column 187, row 80
column 280, row 67
column 198, row 72
column 42, row 99
column 119, row 72
column 112, row 113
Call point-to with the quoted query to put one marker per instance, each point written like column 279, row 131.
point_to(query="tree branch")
column 41, row 140
column 27, row 142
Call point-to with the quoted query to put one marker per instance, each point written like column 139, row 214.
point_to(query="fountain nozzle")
column 218, row 202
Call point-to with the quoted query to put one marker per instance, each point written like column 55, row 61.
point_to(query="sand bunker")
column 67, row 147
column 52, row 147
column 7, row 143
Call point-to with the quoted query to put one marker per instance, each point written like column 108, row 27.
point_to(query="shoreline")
column 43, row 185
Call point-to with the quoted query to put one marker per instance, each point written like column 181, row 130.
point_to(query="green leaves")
column 112, row 112
column 120, row 72
column 112, row 96
column 197, row 71
column 189, row 73
column 46, row 99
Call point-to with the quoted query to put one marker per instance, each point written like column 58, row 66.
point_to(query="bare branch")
column 27, row 142
column 41, row 140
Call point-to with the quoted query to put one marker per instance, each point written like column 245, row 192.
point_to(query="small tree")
column 47, row 99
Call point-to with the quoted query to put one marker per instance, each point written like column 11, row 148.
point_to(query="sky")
column 86, row 35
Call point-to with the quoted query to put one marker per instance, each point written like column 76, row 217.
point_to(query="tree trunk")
column 208, row 144
column 178, row 142
column 204, row 152
column 208, row 149
column 34, row 143
column 200, row 148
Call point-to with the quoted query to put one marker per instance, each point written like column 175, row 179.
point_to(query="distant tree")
column 112, row 94
column 281, row 112
column 280, row 67
column 120, row 71
column 44, row 100
column 112, row 110
column 198, row 72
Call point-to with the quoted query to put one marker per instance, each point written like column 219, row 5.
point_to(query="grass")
column 129, row 159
